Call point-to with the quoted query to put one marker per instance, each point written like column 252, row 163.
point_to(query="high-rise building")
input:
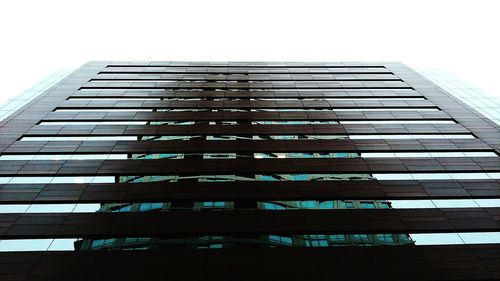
column 248, row 171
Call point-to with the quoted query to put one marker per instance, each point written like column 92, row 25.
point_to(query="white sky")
column 39, row 37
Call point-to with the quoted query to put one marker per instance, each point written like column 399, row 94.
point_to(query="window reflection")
column 138, row 109
column 243, row 122
column 245, row 177
column 247, row 137
column 272, row 240
column 271, row 205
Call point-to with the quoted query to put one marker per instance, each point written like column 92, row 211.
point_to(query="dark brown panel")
column 249, row 222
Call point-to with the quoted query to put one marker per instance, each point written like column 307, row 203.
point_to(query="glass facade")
column 15, row 103
column 485, row 103
column 199, row 164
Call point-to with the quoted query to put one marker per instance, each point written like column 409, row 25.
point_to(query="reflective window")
column 88, row 123
column 341, row 99
column 414, row 136
column 427, row 154
column 89, row 138
column 399, row 122
column 293, row 122
column 179, row 123
column 56, row 157
column 229, row 122
column 102, row 110
column 108, row 109
column 219, row 155
column 436, row 176
column 246, row 137
column 35, row 180
column 347, row 109
column 101, row 243
column 25, row 245
column 213, row 205
column 385, row 237
column 292, row 90
column 272, row 240
column 283, row 240
column 240, row 98
column 150, row 206
column 306, row 155
column 112, row 99
column 257, row 177
column 367, row 205
column 158, row 156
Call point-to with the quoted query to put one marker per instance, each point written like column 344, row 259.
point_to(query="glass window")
column 25, row 245
column 214, row 204
column 367, row 205
column 143, row 207
column 385, row 237
column 14, row 208
column 327, row 205
column 272, row 206
column 99, row 243
column 360, row 237
column 349, row 205
column 480, row 237
column 51, row 208
column 338, row 238
column 436, row 238
column 63, row 245
column 283, row 240
column 124, row 208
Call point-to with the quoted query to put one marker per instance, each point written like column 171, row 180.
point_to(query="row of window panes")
column 58, row 179
column 311, row 177
column 214, row 242
column 227, row 67
column 258, row 177
column 107, row 109
column 246, row 81
column 390, row 92
column 247, row 137
column 246, row 177
column 260, row 205
column 55, row 157
column 290, row 90
column 246, row 99
column 227, row 122
column 257, row 155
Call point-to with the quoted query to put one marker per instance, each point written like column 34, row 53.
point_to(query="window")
column 219, row 156
column 338, row 238
column 360, row 237
column 349, row 205
column 281, row 240
column 367, row 205
column 124, row 208
column 218, row 241
column 213, row 205
column 272, row 206
column 101, row 243
column 385, row 237
column 144, row 207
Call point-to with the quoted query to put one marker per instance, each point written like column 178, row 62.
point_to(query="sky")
column 41, row 37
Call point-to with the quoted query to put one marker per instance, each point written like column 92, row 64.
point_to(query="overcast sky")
column 40, row 37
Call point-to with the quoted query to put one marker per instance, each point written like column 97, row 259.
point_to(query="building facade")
column 247, row 170
column 485, row 103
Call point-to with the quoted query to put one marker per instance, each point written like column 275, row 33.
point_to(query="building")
column 190, row 170
column 473, row 96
